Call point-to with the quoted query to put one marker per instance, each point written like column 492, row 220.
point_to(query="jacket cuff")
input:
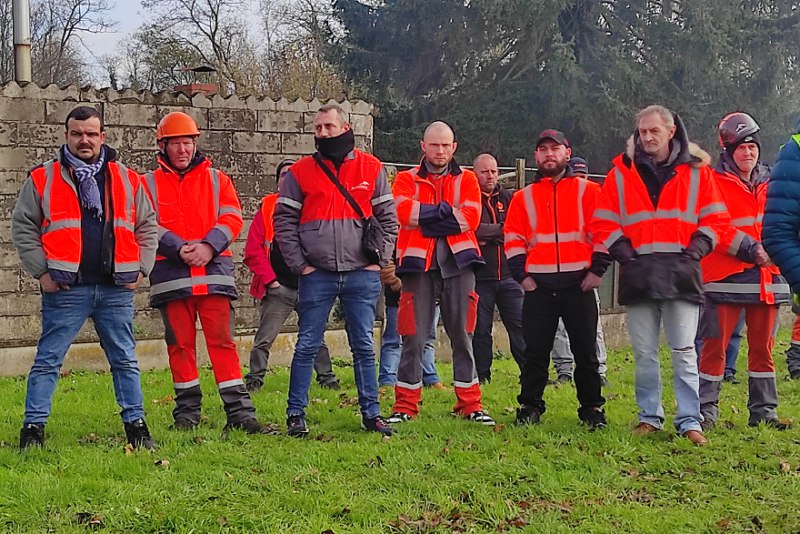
column 442, row 228
column 516, row 266
column 170, row 246
column 600, row 263
column 699, row 246
column 217, row 239
column 622, row 250
column 747, row 250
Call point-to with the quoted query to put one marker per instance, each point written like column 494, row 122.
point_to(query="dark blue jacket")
column 781, row 230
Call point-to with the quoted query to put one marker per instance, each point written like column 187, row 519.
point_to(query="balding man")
column 438, row 207
column 493, row 282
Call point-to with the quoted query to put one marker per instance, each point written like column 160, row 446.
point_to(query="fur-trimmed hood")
column 683, row 150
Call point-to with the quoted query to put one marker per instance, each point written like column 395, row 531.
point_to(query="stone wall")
column 245, row 137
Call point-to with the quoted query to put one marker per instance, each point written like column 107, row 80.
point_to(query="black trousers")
column 541, row 310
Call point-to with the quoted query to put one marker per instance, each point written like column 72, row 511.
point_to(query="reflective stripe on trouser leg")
column 458, row 295
column 423, row 288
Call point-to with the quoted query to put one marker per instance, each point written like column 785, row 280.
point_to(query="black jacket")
column 490, row 234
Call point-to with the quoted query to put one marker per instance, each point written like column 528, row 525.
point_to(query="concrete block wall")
column 245, row 137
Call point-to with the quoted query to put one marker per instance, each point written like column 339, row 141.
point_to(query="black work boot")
column 188, row 403
column 31, row 435
column 139, row 435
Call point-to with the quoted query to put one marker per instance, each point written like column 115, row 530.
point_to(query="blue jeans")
column 358, row 292
column 63, row 314
column 392, row 346
column 680, row 320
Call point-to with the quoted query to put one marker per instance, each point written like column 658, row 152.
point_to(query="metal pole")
column 21, row 13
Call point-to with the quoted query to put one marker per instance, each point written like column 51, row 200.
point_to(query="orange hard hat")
column 176, row 124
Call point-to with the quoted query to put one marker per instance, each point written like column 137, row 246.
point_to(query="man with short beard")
column 320, row 236
column 659, row 213
column 551, row 256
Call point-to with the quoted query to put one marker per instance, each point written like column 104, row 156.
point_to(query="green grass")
column 438, row 474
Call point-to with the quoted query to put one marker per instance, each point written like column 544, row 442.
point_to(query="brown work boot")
column 644, row 428
column 696, row 437
column 439, row 386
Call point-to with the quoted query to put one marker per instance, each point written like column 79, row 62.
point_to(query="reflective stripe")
column 228, row 209
column 150, row 180
column 124, row 224
column 553, row 268
column 530, row 208
column 127, row 267
column 289, row 202
column 471, row 204
column 623, row 210
column 186, row 385
column 562, row 237
column 267, row 244
column 49, row 172
column 462, row 221
column 215, row 189
column 406, row 385
column 465, row 384
column 230, row 383
column 381, row 199
column 581, row 221
column 726, row 287
column 712, row 235
column 413, row 218
column 736, row 242
column 60, row 225
column 225, row 230
column 607, row 215
column 416, row 252
column 778, row 288
column 457, row 190
column 716, row 207
column 161, row 231
column 694, row 191
column 184, row 283
column 743, row 221
column 461, row 246
column 126, row 183
column 515, row 251
column 613, row 238
column 660, row 214
column 761, row 374
column 68, row 266
column 659, row 247
column 711, row 378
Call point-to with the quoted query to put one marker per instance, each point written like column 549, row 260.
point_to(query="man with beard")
column 439, row 208
column 319, row 233
column 83, row 227
column 550, row 254
column 659, row 213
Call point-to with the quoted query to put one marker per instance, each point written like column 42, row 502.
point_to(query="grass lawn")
column 438, row 474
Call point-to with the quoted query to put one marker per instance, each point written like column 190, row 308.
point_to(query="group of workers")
column 445, row 240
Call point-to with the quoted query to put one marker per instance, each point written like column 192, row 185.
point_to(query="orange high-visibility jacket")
column 459, row 188
column 61, row 227
column 548, row 222
column 689, row 202
column 267, row 212
column 746, row 208
column 198, row 206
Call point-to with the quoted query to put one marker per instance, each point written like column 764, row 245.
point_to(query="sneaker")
column 564, row 379
column 184, row 425
column 377, row 424
column 334, row 385
column 777, row 424
column 296, row 426
column 731, row 379
column 482, row 418
column 253, row 426
column 31, row 435
column 604, row 383
column 399, row 417
column 595, row 419
column 139, row 435
column 253, row 385
column 528, row 415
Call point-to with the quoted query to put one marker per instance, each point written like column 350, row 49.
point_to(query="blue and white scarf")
column 84, row 174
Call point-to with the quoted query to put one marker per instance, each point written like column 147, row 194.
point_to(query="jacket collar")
column 681, row 149
column 200, row 161
column 452, row 169
column 726, row 165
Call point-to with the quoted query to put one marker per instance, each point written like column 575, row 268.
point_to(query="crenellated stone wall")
column 245, row 137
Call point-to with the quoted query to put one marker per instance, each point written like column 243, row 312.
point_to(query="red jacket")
column 260, row 241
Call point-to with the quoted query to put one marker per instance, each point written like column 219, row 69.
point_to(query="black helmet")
column 735, row 128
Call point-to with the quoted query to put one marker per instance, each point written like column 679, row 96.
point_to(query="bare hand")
column 762, row 258
column 372, row 267
column 48, row 285
column 590, row 282
column 308, row 269
column 133, row 285
column 528, row 284
column 197, row 254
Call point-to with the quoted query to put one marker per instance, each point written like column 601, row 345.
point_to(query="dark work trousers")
column 507, row 295
column 540, row 313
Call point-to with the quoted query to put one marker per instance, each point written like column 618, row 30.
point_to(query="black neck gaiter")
column 336, row 148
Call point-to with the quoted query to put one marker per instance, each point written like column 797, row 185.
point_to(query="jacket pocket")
column 635, row 280
column 687, row 278
column 406, row 319
column 472, row 312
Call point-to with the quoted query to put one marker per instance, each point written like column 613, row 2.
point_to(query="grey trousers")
column 564, row 361
column 275, row 309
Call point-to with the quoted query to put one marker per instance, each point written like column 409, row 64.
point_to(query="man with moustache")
column 438, row 206
column 659, row 213
column 551, row 256
column 83, row 227
column 493, row 281
column 320, row 236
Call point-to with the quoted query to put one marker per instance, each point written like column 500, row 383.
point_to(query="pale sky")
column 129, row 15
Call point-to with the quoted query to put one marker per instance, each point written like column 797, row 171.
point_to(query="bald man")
column 493, row 282
column 439, row 209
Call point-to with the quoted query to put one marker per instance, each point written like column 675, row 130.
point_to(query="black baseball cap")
column 579, row 165
column 555, row 135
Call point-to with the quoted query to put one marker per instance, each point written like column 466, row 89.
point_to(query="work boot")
column 528, row 415
column 139, row 435
column 644, row 428
column 296, row 426
column 696, row 437
column 595, row 419
column 253, row 426
column 31, row 435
